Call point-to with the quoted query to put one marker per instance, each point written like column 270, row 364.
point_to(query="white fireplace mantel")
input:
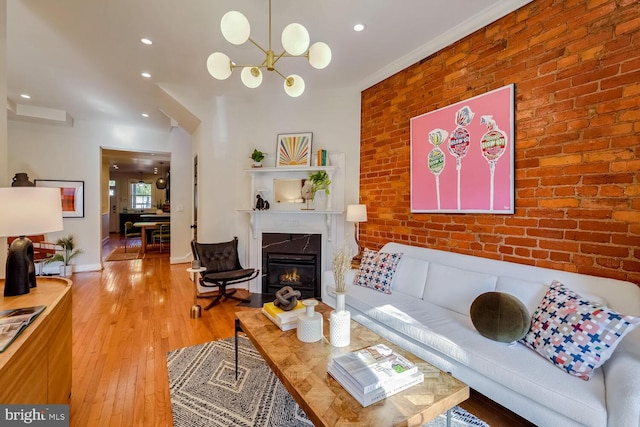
column 287, row 216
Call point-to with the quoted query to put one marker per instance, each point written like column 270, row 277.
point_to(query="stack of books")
column 284, row 320
column 374, row 373
column 322, row 158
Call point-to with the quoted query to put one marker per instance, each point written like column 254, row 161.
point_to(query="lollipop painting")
column 460, row 140
column 474, row 142
column 436, row 158
column 493, row 145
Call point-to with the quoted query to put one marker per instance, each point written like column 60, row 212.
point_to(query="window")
column 112, row 187
column 140, row 195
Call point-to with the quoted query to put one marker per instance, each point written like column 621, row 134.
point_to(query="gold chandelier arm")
column 248, row 65
column 280, row 74
column 279, row 56
column 257, row 45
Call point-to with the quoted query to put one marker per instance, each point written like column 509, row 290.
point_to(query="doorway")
column 129, row 186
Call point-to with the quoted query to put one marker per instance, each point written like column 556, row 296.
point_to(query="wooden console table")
column 36, row 367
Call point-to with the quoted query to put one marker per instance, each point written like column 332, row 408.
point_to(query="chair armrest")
column 43, row 250
column 621, row 373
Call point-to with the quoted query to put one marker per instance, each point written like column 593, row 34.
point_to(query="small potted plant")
column 68, row 252
column 257, row 156
column 320, row 181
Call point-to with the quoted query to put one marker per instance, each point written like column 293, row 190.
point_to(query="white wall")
column 4, row 171
column 73, row 153
column 232, row 127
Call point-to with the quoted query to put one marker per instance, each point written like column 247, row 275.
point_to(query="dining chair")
column 129, row 233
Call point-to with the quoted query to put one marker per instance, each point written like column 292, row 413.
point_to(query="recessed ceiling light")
column 358, row 27
column 25, row 96
column 146, row 75
column 145, row 115
column 146, row 41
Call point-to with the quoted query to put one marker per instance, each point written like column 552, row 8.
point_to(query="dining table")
column 144, row 225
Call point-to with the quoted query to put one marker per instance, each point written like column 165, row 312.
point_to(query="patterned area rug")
column 204, row 391
column 119, row 254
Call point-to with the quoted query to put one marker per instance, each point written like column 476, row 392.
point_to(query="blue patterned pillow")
column 575, row 334
column 377, row 270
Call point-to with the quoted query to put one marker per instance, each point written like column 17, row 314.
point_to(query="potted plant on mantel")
column 68, row 252
column 318, row 181
column 257, row 156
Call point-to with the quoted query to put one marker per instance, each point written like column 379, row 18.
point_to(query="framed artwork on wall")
column 294, row 149
column 71, row 194
column 462, row 156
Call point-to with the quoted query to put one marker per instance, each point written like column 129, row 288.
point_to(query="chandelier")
column 295, row 41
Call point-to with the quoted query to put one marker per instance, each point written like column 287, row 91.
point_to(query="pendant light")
column 140, row 181
column 295, row 40
column 161, row 183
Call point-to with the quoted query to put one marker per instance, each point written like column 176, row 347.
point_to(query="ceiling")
column 83, row 59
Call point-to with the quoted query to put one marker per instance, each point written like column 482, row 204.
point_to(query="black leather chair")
column 222, row 268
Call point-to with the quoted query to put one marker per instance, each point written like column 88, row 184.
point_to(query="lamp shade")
column 30, row 210
column 319, row 55
column 357, row 213
column 219, row 65
column 251, row 77
column 235, row 27
column 295, row 39
column 294, row 85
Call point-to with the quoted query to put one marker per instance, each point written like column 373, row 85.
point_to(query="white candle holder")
column 310, row 323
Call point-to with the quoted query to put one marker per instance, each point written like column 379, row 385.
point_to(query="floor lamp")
column 26, row 211
column 357, row 214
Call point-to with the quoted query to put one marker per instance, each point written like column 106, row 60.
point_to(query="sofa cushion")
column 500, row 317
column 455, row 288
column 377, row 270
column 528, row 292
column 411, row 276
column 576, row 334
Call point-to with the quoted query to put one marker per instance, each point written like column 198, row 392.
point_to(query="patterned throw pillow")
column 575, row 334
column 377, row 270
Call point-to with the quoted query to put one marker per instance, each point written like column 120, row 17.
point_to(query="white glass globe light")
column 235, row 27
column 294, row 85
column 251, row 77
column 295, row 39
column 219, row 65
column 319, row 55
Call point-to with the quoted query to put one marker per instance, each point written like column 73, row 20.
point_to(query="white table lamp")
column 357, row 214
column 26, row 211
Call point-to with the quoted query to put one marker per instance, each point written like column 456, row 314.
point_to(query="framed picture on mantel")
column 294, row 149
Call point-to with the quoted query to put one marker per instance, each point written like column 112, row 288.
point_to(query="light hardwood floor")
column 127, row 317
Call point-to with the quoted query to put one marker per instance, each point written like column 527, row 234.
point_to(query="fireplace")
column 291, row 260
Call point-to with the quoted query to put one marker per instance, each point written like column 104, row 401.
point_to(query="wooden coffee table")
column 302, row 368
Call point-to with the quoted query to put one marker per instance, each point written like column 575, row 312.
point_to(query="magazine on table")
column 374, row 366
column 14, row 321
column 388, row 389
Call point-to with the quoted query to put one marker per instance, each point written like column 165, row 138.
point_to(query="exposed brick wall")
column 576, row 69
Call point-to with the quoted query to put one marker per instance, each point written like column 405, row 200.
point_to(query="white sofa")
column 427, row 313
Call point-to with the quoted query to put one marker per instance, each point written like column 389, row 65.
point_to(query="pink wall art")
column 462, row 156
